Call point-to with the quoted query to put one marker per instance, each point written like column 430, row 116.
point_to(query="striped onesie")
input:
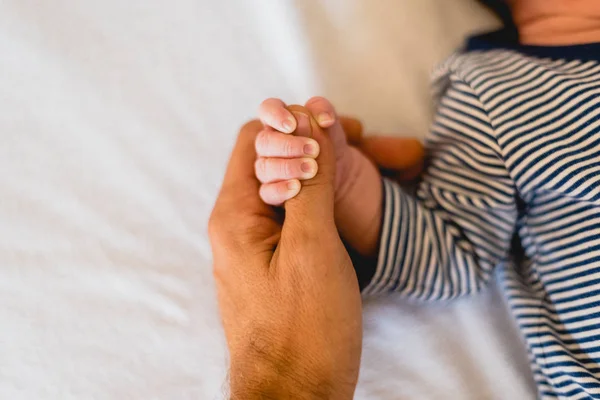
column 513, row 184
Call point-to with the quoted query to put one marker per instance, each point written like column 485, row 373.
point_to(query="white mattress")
column 116, row 121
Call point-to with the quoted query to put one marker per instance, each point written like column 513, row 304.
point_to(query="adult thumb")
column 313, row 206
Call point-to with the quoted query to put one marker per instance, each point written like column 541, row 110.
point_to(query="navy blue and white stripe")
column 515, row 159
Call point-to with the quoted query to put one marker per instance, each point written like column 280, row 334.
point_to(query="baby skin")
column 287, row 159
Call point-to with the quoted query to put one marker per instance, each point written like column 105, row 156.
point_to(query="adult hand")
column 288, row 293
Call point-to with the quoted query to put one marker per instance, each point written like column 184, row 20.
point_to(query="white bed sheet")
column 116, row 121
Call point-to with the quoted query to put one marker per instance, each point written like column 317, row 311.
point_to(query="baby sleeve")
column 445, row 241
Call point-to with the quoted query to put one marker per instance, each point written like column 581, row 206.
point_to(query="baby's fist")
column 283, row 159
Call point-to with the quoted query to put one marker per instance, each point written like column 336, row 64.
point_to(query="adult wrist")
column 256, row 377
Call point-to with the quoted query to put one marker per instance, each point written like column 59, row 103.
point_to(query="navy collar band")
column 505, row 39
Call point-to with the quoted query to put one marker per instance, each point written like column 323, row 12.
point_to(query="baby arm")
column 445, row 242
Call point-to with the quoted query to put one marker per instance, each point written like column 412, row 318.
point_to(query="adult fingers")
column 272, row 112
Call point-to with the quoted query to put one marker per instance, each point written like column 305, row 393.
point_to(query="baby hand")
column 283, row 159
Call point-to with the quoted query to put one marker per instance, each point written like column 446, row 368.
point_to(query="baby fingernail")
column 308, row 167
column 311, row 149
column 325, row 118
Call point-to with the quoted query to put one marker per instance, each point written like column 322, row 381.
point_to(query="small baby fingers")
column 272, row 112
column 270, row 143
column 270, row 170
column 278, row 193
